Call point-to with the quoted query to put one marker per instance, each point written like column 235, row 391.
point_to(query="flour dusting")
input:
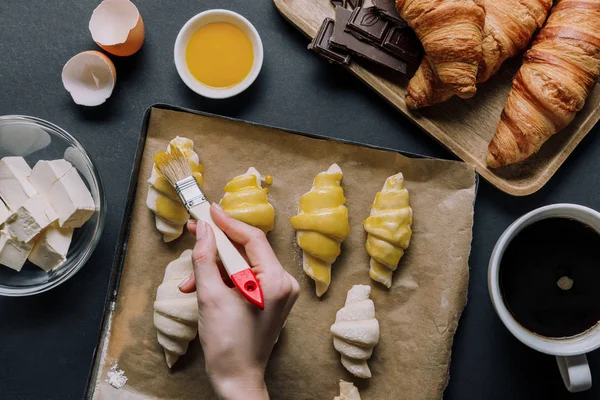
column 116, row 377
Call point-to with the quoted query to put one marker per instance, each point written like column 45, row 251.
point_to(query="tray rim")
column 122, row 244
column 433, row 131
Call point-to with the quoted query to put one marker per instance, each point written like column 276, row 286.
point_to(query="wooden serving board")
column 465, row 127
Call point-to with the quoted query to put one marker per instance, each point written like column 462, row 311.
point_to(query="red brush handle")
column 249, row 287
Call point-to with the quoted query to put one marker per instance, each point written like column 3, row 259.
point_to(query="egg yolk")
column 219, row 55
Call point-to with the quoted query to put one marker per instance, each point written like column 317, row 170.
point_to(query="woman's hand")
column 237, row 338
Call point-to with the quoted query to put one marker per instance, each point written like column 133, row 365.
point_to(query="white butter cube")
column 51, row 248
column 46, row 173
column 13, row 253
column 4, row 212
column 66, row 192
column 15, row 188
column 30, row 219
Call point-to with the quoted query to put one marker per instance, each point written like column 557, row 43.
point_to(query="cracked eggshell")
column 117, row 27
column 89, row 77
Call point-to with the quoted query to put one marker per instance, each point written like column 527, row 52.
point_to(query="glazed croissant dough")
column 322, row 225
column 388, row 229
column 162, row 199
column 176, row 313
column 356, row 331
column 347, row 391
column 246, row 201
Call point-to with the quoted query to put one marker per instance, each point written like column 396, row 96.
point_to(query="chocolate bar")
column 387, row 9
column 365, row 23
column 320, row 44
column 403, row 43
column 355, row 3
column 345, row 3
column 347, row 42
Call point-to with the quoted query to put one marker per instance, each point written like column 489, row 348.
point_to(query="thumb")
column 204, row 259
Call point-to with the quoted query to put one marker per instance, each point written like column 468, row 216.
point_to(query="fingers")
column 254, row 241
column 204, row 258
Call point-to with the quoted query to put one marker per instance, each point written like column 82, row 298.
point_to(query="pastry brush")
column 175, row 168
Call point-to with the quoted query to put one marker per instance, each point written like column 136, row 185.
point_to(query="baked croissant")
column 176, row 313
column 347, row 391
column 322, row 225
column 246, row 200
column 356, row 331
column 557, row 75
column 388, row 229
column 451, row 34
column 162, row 199
column 509, row 26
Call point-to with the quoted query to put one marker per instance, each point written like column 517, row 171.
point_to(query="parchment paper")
column 418, row 316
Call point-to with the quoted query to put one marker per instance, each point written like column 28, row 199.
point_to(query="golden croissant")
column 451, row 34
column 246, row 201
column 508, row 29
column 170, row 214
column 356, row 331
column 322, row 225
column 557, row 75
column 388, row 229
column 176, row 313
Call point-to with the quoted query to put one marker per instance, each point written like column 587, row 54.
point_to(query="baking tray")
column 124, row 234
column 465, row 127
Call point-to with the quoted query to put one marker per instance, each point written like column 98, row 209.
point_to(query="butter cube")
column 46, row 173
column 13, row 253
column 15, row 188
column 60, row 184
column 51, row 248
column 30, row 219
column 4, row 212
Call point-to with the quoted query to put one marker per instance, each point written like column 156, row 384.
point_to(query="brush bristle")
column 173, row 165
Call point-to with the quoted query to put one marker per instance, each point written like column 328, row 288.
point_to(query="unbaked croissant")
column 246, row 200
column 557, row 75
column 356, row 331
column 509, row 26
column 322, row 225
column 176, row 313
column 388, row 229
column 451, row 34
column 348, row 391
column 162, row 199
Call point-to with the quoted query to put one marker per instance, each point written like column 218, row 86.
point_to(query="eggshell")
column 117, row 27
column 89, row 77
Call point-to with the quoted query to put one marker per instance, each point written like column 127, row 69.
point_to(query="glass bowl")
column 36, row 139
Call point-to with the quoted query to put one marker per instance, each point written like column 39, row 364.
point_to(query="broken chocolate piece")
column 320, row 44
column 387, row 9
column 338, row 3
column 346, row 41
column 365, row 23
column 355, row 3
column 403, row 43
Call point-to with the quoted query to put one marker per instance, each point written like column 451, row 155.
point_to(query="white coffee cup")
column 570, row 352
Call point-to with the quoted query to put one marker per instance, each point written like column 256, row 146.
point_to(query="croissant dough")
column 246, row 201
column 388, row 229
column 162, row 199
column 509, row 26
column 347, row 391
column 552, row 85
column 176, row 313
column 322, row 225
column 356, row 331
column 451, row 34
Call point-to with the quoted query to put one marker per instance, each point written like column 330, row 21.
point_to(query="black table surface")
column 47, row 341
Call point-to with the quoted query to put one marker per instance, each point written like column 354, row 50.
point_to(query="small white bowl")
column 192, row 26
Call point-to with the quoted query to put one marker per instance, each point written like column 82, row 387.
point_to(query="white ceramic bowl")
column 192, row 26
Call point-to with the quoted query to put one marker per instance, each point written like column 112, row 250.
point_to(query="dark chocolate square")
column 387, row 9
column 346, row 41
column 403, row 43
column 320, row 45
column 365, row 23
